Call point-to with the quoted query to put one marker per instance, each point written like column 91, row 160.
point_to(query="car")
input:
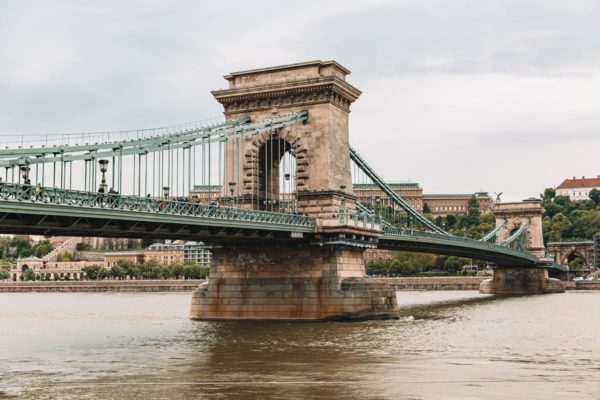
column 577, row 279
column 590, row 278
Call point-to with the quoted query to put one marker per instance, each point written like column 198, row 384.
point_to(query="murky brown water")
column 460, row 345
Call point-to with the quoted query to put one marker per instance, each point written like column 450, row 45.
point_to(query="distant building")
column 197, row 253
column 50, row 270
column 411, row 192
column 205, row 193
column 578, row 189
column 112, row 258
column 457, row 204
column 382, row 254
column 164, row 253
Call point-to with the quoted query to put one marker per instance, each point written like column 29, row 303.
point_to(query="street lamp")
column 378, row 205
column 166, row 192
column 25, row 172
column 231, row 190
column 103, row 169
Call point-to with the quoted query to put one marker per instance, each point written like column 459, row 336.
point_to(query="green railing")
column 390, row 230
column 75, row 198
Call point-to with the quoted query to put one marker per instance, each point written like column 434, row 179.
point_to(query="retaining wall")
column 102, row 286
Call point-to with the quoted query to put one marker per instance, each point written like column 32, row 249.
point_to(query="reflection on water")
column 446, row 345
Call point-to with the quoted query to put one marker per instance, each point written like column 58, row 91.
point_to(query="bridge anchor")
column 521, row 280
column 291, row 282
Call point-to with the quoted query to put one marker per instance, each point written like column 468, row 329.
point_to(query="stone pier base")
column 291, row 283
column 518, row 280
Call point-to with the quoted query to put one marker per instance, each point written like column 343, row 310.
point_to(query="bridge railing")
column 433, row 235
column 76, row 198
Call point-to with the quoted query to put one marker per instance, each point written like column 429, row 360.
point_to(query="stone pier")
column 521, row 280
column 291, row 282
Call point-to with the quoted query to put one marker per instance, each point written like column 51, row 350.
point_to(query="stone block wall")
column 291, row 282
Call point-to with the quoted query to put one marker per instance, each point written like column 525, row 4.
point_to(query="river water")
column 447, row 345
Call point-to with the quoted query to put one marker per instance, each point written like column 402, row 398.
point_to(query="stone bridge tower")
column 320, row 145
column 517, row 213
column 323, row 275
column 522, row 280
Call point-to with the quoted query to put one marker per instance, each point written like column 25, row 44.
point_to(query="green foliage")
column 426, row 209
column 178, row 271
column 565, row 219
column 20, row 247
column 28, row 275
column 64, row 257
column 473, row 211
column 453, row 265
column 41, row 248
column 4, row 274
column 195, row 271
column 94, row 272
column 594, row 195
column 576, row 267
column 407, row 264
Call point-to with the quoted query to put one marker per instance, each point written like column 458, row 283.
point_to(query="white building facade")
column 578, row 189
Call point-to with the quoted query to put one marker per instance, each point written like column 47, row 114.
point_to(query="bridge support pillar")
column 521, row 280
column 300, row 282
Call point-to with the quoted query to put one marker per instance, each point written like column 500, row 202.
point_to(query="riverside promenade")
column 168, row 285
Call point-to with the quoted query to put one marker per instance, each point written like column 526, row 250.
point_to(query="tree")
column 473, row 211
column 4, row 274
column 118, row 272
column 178, row 271
column 548, row 195
column 453, row 265
column 450, row 221
column 42, row 248
column 594, row 195
column 94, row 272
column 576, row 267
column 166, row 271
column 426, row 209
column 64, row 257
column 28, row 275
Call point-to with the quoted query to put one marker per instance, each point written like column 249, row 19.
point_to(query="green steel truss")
column 362, row 164
column 211, row 134
column 49, row 210
column 28, row 197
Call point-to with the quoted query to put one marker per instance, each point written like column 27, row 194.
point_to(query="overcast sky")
column 459, row 96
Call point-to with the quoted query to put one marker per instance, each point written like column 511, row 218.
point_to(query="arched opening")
column 24, row 267
column 576, row 263
column 275, row 189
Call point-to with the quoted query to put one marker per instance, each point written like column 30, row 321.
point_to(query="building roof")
column 580, row 183
column 461, row 196
column 393, row 185
column 124, row 253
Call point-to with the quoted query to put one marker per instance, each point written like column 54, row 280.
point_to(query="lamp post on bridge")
column 103, row 168
column 231, row 190
column 25, row 173
column 166, row 192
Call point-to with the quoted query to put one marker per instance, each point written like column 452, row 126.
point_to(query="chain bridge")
column 269, row 187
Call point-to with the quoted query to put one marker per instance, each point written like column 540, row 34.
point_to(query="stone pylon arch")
column 321, row 143
column 287, row 140
column 514, row 214
column 576, row 252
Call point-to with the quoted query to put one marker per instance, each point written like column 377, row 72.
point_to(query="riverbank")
column 433, row 283
column 169, row 285
column 465, row 283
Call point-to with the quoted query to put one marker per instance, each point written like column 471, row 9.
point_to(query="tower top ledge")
column 285, row 73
